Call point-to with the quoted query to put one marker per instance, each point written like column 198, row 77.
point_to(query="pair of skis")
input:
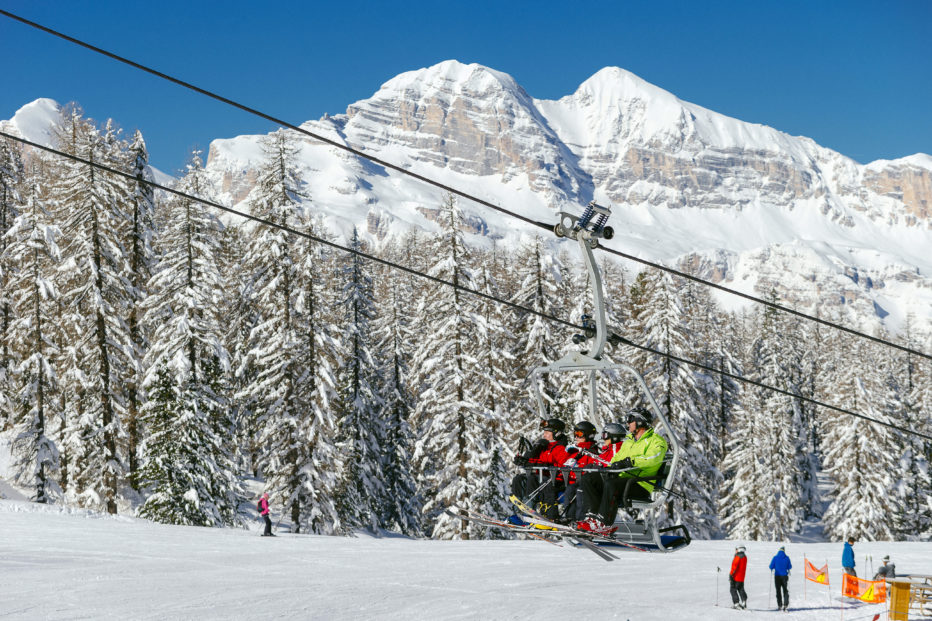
column 581, row 536
column 539, row 527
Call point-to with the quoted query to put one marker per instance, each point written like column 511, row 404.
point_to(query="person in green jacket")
column 641, row 455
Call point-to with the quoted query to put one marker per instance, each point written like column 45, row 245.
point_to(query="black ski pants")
column 574, row 503
column 542, row 481
column 603, row 493
column 268, row 525
column 783, row 594
column 738, row 596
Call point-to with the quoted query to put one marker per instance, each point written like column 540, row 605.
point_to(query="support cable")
column 437, row 184
column 614, row 338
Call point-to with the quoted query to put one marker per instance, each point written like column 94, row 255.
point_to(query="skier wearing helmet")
column 613, row 435
column 641, row 455
column 550, row 450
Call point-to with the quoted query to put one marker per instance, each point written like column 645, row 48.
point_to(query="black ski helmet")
column 639, row 415
column 552, row 424
column 586, row 428
column 614, row 431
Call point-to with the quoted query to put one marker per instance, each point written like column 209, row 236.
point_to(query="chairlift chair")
column 643, row 532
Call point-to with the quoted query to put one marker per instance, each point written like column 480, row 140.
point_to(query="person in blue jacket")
column 847, row 558
column 780, row 565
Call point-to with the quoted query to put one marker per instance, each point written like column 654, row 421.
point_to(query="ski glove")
column 622, row 464
column 572, row 450
column 521, row 460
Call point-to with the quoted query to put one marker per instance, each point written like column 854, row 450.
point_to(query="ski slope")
column 60, row 563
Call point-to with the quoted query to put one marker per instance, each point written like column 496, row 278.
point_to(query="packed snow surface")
column 59, row 563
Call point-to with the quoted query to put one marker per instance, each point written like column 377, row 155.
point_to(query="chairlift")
column 643, row 532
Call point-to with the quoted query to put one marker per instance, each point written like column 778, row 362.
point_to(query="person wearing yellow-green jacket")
column 641, row 455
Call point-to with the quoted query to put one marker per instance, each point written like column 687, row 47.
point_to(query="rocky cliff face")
column 743, row 203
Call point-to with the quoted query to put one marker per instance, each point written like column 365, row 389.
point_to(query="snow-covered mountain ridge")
column 743, row 203
column 740, row 203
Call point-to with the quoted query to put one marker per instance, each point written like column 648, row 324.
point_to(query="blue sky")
column 856, row 76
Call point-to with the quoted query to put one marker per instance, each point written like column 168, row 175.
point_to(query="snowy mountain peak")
column 451, row 76
column 35, row 120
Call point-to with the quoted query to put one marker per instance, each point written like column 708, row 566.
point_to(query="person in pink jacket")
column 264, row 512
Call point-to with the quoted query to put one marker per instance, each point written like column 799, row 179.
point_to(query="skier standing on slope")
column 780, row 565
column 263, row 507
column 847, row 557
column 739, row 565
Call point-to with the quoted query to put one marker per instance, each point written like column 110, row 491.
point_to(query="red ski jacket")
column 738, row 567
column 584, row 457
column 554, row 455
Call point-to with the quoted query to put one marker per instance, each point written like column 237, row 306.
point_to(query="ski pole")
column 718, row 570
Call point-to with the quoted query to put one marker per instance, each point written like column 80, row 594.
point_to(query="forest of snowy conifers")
column 154, row 359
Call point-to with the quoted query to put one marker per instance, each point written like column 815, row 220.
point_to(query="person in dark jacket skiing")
column 780, row 565
column 541, row 487
column 582, row 454
column 847, row 558
column 264, row 512
column 739, row 565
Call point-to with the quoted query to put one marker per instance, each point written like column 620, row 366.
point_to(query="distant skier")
column 547, row 451
column 887, row 570
column 739, row 565
column 847, row 558
column 780, row 565
column 640, row 456
column 263, row 508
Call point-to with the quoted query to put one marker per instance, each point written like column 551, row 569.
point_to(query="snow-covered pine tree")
column 32, row 246
column 861, row 457
column 493, row 387
column 11, row 183
column 187, row 469
column 360, row 406
column 241, row 318
column 394, row 338
column 661, row 323
column 452, row 430
column 291, row 353
column 94, row 295
column 762, row 494
column 141, row 261
column 913, row 487
column 537, row 272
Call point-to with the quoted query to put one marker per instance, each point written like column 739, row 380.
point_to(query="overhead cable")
column 446, row 188
column 615, row 338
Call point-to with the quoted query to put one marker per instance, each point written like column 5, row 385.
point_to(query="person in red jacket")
column 587, row 455
column 736, row 578
column 540, row 487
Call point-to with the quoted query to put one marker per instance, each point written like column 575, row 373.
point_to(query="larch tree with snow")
column 536, row 341
column 451, row 427
column 94, row 294
column 360, row 407
column 289, row 355
column 142, row 259
column 658, row 320
column 187, row 467
column 34, row 249
column 861, row 457
column 764, row 486
column 12, row 179
column 395, row 339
